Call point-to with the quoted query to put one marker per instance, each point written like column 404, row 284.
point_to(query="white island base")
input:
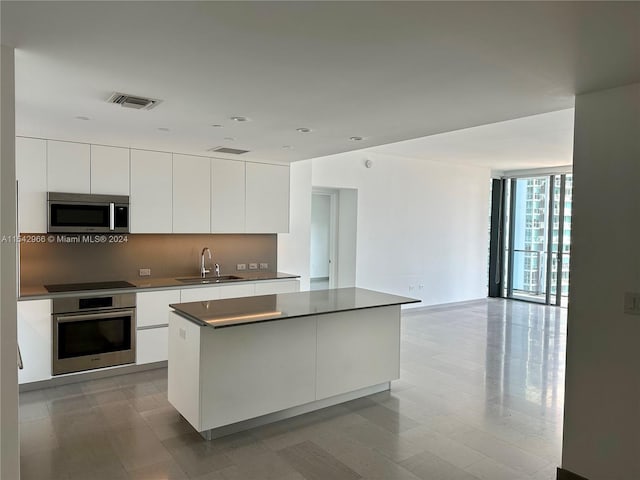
column 224, row 380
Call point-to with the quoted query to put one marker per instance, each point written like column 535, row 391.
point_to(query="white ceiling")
column 538, row 141
column 386, row 71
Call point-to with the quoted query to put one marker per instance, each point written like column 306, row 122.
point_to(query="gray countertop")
column 241, row 311
column 142, row 284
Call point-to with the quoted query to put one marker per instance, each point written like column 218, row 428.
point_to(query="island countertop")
column 241, row 311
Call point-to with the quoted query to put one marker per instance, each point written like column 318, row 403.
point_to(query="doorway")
column 536, row 234
column 333, row 238
column 323, row 244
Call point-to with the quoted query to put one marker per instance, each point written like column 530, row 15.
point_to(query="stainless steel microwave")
column 80, row 213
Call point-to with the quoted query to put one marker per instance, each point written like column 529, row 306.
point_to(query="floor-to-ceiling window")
column 536, row 238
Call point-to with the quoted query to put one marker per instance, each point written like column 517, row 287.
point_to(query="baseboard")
column 292, row 412
column 90, row 375
column 567, row 475
column 419, row 308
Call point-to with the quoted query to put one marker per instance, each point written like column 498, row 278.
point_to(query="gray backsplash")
column 166, row 255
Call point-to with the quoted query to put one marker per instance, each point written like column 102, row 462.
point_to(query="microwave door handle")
column 112, row 216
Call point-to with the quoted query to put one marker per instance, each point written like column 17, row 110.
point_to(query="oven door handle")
column 94, row 316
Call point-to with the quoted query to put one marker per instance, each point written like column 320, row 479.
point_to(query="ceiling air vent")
column 133, row 101
column 235, row 151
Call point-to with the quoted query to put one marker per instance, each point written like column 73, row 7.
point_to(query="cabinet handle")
column 20, row 365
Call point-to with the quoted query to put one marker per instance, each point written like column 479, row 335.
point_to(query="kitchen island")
column 238, row 363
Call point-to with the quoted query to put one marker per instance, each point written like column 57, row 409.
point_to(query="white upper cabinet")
column 68, row 167
column 191, row 194
column 109, row 170
column 150, row 198
column 267, row 198
column 168, row 193
column 31, row 172
column 227, row 196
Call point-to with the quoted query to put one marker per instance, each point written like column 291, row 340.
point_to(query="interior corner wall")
column 422, row 226
column 9, row 443
column 294, row 247
column 602, row 394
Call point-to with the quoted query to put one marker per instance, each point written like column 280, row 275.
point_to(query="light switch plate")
column 264, row 266
column 144, row 272
column 241, row 266
column 632, row 303
column 253, row 266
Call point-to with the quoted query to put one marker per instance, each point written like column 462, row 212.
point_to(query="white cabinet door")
column 151, row 184
column 68, row 167
column 35, row 340
column 109, row 170
column 200, row 294
column 237, row 290
column 357, row 349
column 227, row 196
column 252, row 370
column 152, row 308
column 31, row 172
column 191, row 194
column 152, row 345
column 281, row 286
column 267, row 198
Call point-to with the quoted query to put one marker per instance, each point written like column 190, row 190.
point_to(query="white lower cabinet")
column 281, row 286
column 152, row 345
column 357, row 349
column 152, row 316
column 35, row 340
column 239, row 290
column 152, row 308
column 226, row 375
column 200, row 294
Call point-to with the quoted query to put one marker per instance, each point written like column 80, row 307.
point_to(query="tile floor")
column 480, row 397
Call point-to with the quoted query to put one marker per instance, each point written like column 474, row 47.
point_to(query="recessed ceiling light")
column 231, row 139
column 163, row 129
column 356, row 139
column 239, row 119
column 82, row 117
column 216, row 125
column 303, row 130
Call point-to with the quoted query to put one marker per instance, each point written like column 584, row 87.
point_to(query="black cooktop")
column 71, row 287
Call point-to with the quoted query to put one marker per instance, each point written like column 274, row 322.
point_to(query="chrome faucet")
column 204, row 271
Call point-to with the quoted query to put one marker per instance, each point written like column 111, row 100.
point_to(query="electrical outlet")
column 264, row 266
column 412, row 288
column 253, row 266
column 144, row 272
column 241, row 266
column 632, row 303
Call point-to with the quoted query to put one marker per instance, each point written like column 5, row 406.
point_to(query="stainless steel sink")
column 220, row 279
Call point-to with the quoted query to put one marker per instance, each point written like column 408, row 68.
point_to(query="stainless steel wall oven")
column 93, row 332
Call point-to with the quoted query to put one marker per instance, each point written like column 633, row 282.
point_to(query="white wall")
column 602, row 398
column 293, row 247
column 418, row 223
column 347, row 237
